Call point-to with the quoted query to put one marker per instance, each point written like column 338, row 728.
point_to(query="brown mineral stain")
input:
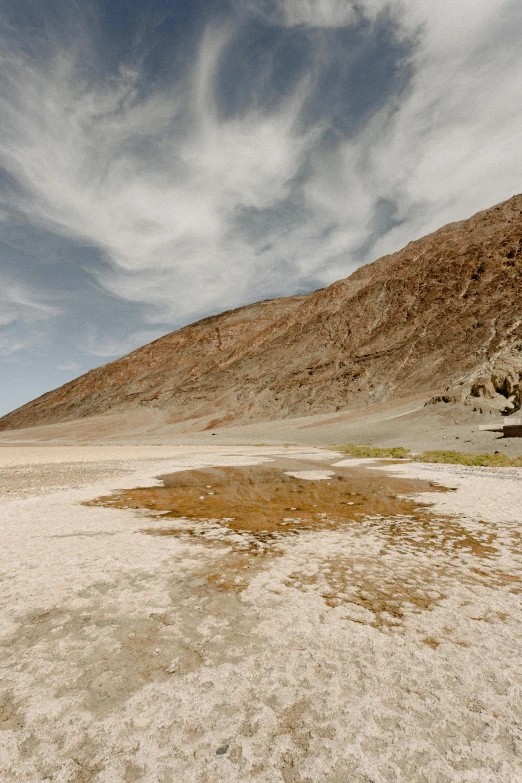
column 361, row 583
column 264, row 503
column 250, row 511
column 263, row 499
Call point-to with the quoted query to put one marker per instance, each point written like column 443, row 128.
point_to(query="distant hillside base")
column 443, row 313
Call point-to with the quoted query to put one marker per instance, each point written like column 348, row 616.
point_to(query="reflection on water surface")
column 274, row 498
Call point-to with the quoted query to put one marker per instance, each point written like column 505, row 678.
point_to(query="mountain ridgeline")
column 444, row 313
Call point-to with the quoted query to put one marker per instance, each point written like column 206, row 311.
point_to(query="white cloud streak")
column 448, row 148
column 19, row 303
column 20, row 310
column 98, row 344
column 310, row 13
column 12, row 343
column 163, row 218
column 318, row 13
column 157, row 183
column 68, row 366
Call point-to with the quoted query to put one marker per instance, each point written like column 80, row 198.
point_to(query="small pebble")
column 221, row 750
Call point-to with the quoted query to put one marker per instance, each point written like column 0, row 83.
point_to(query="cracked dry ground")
column 291, row 621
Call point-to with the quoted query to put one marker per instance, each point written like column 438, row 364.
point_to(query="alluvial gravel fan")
column 442, row 315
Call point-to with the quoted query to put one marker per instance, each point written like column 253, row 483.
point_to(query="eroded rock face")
column 440, row 313
column 494, row 386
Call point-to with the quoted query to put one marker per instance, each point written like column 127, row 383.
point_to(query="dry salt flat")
column 386, row 650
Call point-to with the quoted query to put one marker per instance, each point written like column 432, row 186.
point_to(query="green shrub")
column 445, row 457
column 354, row 450
column 460, row 458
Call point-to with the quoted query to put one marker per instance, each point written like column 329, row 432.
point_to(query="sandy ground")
column 408, row 423
column 382, row 652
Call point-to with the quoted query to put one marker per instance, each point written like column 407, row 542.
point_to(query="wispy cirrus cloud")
column 11, row 343
column 19, row 303
column 105, row 346
column 68, row 366
column 439, row 152
column 292, row 142
column 153, row 182
column 21, row 309
column 310, row 13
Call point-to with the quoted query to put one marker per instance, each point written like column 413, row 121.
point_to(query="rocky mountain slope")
column 443, row 313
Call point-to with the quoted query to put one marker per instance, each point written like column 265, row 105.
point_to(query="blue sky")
column 160, row 161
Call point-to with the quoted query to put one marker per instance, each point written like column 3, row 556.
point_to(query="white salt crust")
column 121, row 660
column 310, row 475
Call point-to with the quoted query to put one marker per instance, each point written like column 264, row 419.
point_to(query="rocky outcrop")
column 445, row 308
column 495, row 386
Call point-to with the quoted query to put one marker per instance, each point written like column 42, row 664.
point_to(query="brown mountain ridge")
column 443, row 313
